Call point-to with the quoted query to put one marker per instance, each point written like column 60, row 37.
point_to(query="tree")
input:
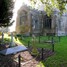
column 6, row 7
column 50, row 5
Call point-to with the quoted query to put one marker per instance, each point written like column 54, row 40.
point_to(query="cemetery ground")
column 58, row 58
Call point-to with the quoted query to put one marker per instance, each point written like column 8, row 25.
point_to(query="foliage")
column 24, row 28
column 50, row 5
column 8, row 33
column 6, row 12
column 6, row 40
column 14, row 33
column 0, row 33
column 34, row 49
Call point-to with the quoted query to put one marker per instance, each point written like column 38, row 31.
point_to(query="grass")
column 60, row 56
column 59, row 59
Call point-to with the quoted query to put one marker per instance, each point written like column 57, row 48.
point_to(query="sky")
column 17, row 5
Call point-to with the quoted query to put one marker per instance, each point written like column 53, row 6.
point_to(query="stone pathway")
column 9, row 61
column 27, row 60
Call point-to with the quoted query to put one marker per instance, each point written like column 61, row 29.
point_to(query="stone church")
column 39, row 23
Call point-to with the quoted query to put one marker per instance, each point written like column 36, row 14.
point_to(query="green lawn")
column 59, row 58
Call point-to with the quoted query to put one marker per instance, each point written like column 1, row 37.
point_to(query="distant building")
column 61, row 23
column 38, row 21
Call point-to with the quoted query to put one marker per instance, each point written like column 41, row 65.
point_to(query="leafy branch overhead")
column 6, row 12
column 50, row 5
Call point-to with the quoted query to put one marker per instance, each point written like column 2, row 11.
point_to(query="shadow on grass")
column 47, row 53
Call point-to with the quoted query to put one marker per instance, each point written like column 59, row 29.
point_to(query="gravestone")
column 61, row 33
column 13, row 50
column 12, row 41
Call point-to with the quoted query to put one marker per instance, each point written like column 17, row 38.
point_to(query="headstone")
column 61, row 33
column 13, row 50
column 12, row 42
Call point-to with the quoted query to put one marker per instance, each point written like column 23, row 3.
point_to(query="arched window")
column 47, row 22
column 23, row 17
